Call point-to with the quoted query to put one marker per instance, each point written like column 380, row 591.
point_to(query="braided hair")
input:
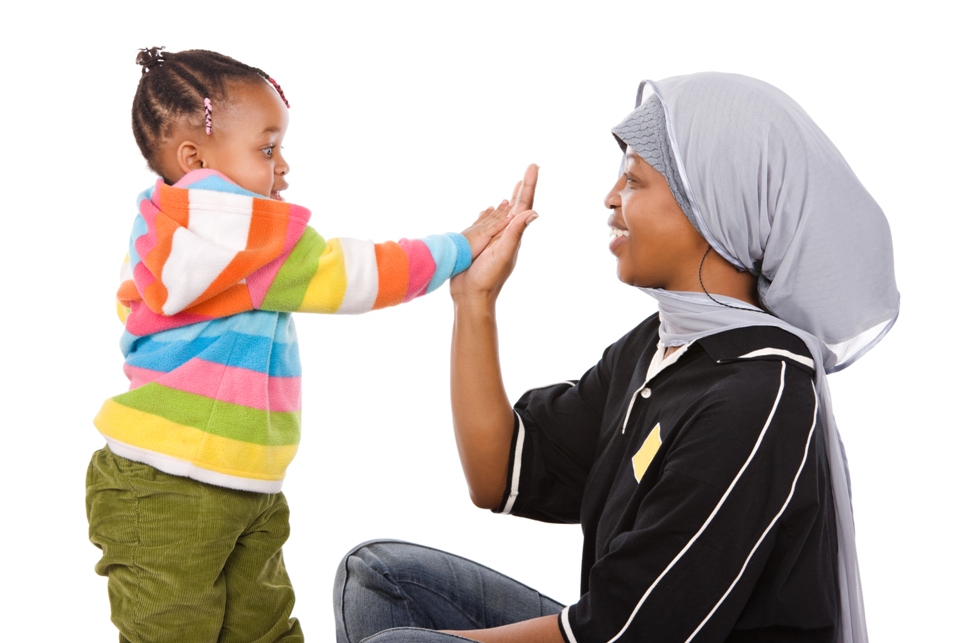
column 181, row 86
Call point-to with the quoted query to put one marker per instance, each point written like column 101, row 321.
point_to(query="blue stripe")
column 261, row 323
column 217, row 184
column 464, row 253
column 444, row 251
column 231, row 349
column 139, row 229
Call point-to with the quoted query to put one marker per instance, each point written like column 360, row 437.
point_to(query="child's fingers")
column 493, row 212
column 483, row 215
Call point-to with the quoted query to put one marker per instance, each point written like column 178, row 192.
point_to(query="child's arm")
column 347, row 276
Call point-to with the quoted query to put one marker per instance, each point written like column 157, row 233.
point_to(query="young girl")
column 185, row 499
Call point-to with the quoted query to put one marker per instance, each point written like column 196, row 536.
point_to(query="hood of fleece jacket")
column 206, row 246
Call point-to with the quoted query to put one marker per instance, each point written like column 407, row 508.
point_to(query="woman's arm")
column 537, row 630
column 482, row 414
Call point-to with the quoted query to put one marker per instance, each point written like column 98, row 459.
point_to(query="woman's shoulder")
column 759, row 344
column 749, row 371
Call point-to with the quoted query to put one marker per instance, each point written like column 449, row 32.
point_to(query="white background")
column 407, row 119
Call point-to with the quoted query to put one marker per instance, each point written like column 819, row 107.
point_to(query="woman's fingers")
column 524, row 192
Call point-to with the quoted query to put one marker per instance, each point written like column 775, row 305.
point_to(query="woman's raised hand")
column 490, row 270
column 482, row 415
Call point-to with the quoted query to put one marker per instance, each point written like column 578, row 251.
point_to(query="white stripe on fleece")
column 192, row 265
column 221, row 218
column 723, row 498
column 565, row 619
column 779, row 352
column 793, row 487
column 363, row 280
column 515, row 480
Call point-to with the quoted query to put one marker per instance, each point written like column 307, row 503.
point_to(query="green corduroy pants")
column 187, row 561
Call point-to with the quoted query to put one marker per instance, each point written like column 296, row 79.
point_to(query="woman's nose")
column 612, row 200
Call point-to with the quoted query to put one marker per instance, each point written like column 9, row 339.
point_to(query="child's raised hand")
column 492, row 221
column 487, row 226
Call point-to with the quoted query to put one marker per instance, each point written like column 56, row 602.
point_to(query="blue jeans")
column 389, row 591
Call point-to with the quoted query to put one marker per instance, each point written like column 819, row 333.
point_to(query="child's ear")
column 189, row 157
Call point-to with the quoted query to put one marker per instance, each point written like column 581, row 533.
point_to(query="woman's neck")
column 717, row 276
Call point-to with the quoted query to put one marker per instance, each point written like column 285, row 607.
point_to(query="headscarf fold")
column 772, row 195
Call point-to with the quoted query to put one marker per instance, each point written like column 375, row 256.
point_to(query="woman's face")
column 654, row 243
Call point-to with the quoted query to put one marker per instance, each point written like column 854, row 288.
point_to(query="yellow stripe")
column 122, row 312
column 204, row 450
column 328, row 285
column 643, row 457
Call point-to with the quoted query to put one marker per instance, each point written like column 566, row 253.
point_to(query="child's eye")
column 268, row 150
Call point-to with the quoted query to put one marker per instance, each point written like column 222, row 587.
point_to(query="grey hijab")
column 772, row 195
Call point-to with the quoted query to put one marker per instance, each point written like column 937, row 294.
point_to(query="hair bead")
column 208, row 115
column 276, row 86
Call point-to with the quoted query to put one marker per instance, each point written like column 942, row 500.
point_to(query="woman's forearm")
column 482, row 414
column 538, row 630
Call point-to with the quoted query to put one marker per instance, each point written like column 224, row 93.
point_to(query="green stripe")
column 235, row 421
column 289, row 287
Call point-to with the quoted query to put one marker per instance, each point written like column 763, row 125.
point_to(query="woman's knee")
column 384, row 563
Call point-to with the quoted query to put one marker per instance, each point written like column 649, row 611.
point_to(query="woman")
column 700, row 455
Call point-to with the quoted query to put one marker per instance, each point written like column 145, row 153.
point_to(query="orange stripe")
column 155, row 294
column 174, row 214
column 175, row 203
column 265, row 239
column 393, row 269
column 128, row 292
column 231, row 301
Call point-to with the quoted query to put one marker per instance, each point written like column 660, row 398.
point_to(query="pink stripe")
column 422, row 267
column 143, row 321
column 140, row 376
column 228, row 384
column 260, row 281
column 142, row 276
column 149, row 211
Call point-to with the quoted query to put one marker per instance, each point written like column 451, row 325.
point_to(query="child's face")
column 248, row 129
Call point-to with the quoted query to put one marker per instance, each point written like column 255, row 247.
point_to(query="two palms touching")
column 493, row 266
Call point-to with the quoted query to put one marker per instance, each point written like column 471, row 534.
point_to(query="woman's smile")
column 618, row 237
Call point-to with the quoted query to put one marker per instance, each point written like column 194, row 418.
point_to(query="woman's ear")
column 189, row 157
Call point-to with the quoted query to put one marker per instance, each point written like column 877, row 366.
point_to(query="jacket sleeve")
column 208, row 253
column 556, row 431
column 348, row 276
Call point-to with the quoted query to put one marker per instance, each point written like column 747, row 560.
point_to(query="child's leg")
column 166, row 541
column 259, row 593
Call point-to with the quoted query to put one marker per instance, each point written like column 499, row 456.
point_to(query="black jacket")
column 707, row 513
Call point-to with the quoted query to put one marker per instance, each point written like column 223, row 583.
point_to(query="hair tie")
column 208, row 115
column 149, row 57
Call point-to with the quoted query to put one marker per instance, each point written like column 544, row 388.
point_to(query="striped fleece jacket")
column 212, row 275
